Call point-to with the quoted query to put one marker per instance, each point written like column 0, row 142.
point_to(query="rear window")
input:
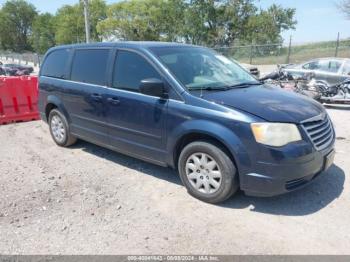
column 89, row 66
column 55, row 64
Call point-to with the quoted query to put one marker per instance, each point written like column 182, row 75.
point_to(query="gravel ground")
column 89, row 200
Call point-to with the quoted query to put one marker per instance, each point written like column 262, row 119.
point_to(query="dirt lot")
column 89, row 200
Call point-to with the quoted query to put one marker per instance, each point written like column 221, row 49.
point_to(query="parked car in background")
column 6, row 71
column 252, row 69
column 189, row 108
column 2, row 71
column 330, row 70
column 18, row 67
column 15, row 69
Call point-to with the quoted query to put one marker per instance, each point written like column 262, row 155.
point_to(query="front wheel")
column 207, row 172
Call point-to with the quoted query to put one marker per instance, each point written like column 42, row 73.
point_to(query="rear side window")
column 56, row 63
column 331, row 66
column 130, row 69
column 346, row 68
column 89, row 66
column 334, row 66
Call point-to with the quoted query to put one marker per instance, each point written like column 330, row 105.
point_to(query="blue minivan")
column 189, row 108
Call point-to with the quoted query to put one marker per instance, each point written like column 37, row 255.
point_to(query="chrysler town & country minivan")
column 189, row 108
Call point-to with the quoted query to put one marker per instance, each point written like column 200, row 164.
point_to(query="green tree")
column 234, row 21
column 201, row 22
column 98, row 13
column 171, row 20
column 266, row 26
column 43, row 36
column 344, row 6
column 144, row 20
column 16, row 19
column 204, row 22
column 229, row 22
column 69, row 25
column 132, row 20
column 69, row 22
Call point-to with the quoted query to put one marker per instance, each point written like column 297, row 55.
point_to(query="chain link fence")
column 270, row 54
column 280, row 54
column 32, row 59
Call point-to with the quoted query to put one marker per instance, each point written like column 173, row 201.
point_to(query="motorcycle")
column 307, row 85
column 289, row 82
column 332, row 94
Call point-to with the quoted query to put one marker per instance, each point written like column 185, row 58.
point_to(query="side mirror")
column 153, row 87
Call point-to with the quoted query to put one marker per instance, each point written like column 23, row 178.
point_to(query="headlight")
column 275, row 134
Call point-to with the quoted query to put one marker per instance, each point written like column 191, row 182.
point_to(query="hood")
column 267, row 102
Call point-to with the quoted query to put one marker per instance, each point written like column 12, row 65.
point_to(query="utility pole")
column 87, row 20
column 289, row 49
column 337, row 45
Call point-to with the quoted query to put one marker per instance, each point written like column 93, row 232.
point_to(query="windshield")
column 198, row 68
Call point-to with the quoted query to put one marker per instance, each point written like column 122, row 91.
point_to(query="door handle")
column 113, row 100
column 96, row 97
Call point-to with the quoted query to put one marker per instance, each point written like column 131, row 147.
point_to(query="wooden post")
column 337, row 46
column 251, row 54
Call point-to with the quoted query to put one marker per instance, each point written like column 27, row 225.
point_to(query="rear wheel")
column 59, row 129
column 207, row 172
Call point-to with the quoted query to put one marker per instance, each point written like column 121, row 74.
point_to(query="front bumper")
column 278, row 178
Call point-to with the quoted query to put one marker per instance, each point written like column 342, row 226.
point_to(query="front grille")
column 320, row 132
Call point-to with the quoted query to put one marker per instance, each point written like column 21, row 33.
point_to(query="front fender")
column 221, row 133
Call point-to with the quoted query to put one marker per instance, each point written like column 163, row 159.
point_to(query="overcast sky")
column 318, row 20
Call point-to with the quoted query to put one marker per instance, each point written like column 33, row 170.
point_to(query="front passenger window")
column 129, row 69
column 311, row 66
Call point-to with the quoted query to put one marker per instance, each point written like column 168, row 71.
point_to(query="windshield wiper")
column 246, row 84
column 225, row 88
column 208, row 88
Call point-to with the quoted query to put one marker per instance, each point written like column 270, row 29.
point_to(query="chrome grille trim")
column 319, row 130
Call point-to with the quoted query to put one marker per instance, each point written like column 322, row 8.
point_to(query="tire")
column 59, row 129
column 192, row 176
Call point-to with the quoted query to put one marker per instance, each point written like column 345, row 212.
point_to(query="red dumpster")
column 18, row 99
